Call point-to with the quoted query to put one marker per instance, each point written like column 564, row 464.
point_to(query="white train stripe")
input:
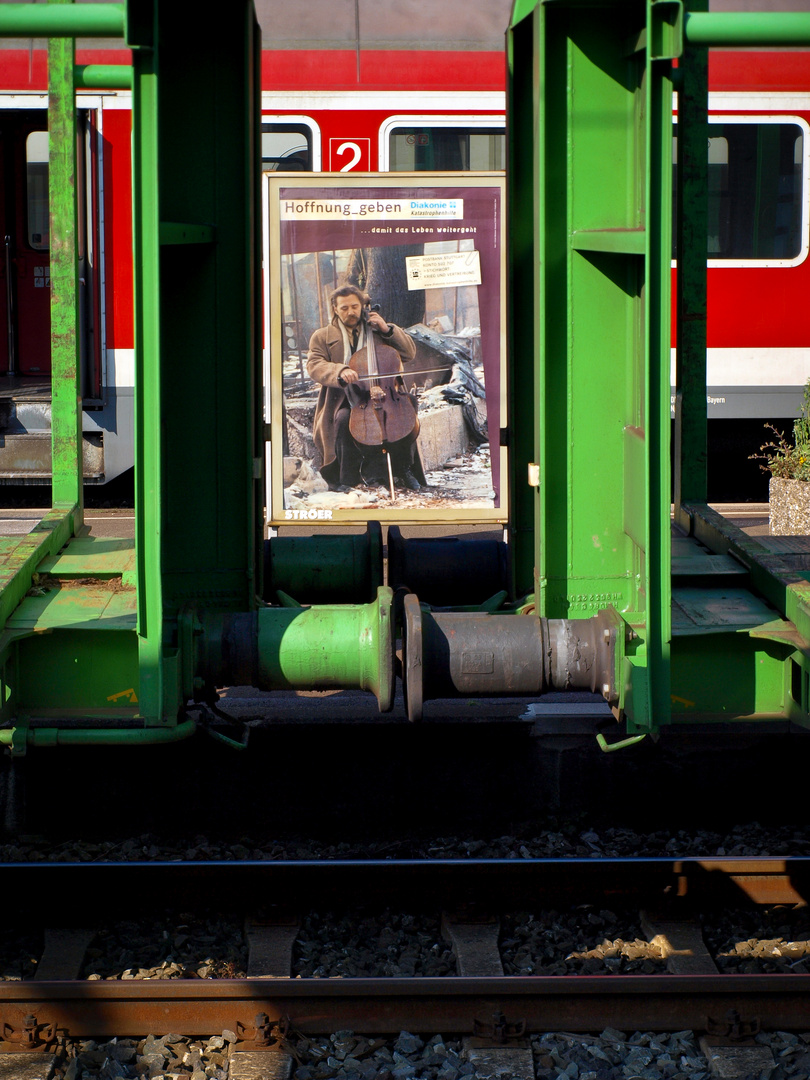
column 754, row 367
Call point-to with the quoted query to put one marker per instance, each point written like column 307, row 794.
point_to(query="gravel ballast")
column 20, row 950
column 552, row 839
column 345, row 1055
column 361, row 943
column 579, row 942
column 772, row 940
column 371, row 945
column 610, row 1055
column 171, row 1056
column 178, row 945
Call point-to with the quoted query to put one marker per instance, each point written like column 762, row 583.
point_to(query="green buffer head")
column 330, row 646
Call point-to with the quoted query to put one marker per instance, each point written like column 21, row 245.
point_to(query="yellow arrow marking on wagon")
column 130, row 695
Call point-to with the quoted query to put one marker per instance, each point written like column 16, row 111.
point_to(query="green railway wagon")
column 110, row 641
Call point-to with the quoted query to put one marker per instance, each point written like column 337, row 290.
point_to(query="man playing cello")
column 347, row 462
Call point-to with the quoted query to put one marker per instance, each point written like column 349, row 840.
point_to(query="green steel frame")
column 594, row 183
column 120, row 637
column 90, row 628
column 198, row 311
column 590, row 94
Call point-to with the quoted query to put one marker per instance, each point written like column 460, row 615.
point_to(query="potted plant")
column 789, row 466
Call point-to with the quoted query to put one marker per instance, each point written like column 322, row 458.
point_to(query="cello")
column 383, row 413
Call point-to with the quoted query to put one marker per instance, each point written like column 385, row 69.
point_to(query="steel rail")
column 384, row 1006
column 419, row 882
column 201, row 1007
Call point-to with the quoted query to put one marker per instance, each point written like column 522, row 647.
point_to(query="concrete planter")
column 789, row 507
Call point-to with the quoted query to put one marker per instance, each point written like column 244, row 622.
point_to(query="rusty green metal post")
column 66, row 404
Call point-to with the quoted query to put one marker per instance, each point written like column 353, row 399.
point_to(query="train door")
column 24, row 226
column 25, row 344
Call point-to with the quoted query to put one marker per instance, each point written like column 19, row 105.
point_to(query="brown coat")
column 324, row 365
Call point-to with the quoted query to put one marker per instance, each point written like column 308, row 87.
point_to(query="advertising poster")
column 386, row 344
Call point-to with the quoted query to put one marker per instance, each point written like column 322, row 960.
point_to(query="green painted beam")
column 747, row 28
column 521, row 10
column 13, row 737
column 103, row 76
column 148, row 429
column 66, row 403
column 690, row 456
column 59, row 20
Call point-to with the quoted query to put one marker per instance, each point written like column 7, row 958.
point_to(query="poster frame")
column 380, row 188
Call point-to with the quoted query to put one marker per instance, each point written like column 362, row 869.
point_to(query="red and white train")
column 352, row 110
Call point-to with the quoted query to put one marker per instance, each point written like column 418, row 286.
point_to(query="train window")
column 755, row 191
column 286, row 147
column 717, row 181
column 446, row 149
column 36, row 168
column 755, row 183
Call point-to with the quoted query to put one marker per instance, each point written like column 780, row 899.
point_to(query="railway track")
column 258, row 1009
column 35, row 1012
